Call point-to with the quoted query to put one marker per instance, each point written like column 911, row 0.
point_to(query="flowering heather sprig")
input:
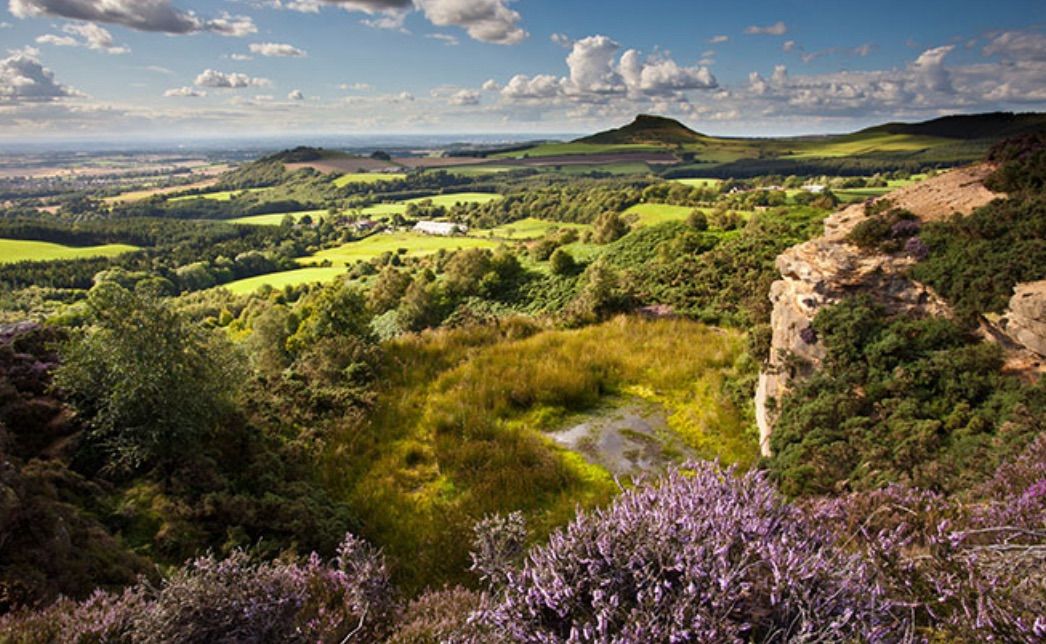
column 498, row 546
column 703, row 555
column 916, row 248
column 905, row 228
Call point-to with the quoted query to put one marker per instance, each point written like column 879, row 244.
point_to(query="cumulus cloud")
column 491, row 85
column 1017, row 45
column 23, row 79
column 930, row 72
column 184, row 92
column 85, row 34
column 562, row 40
column 272, row 49
column 355, row 87
column 296, row 95
column 234, row 80
column 465, row 97
column 488, row 21
column 598, row 74
column 143, row 15
column 721, row 38
column 777, row 29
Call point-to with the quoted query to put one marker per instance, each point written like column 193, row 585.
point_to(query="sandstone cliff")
column 824, row 270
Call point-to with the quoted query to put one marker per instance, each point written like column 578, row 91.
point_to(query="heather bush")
column 234, row 599
column 498, row 545
column 703, row 555
column 441, row 616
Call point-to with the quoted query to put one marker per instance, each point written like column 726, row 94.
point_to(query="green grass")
column 564, row 149
column 619, row 169
column 368, row 177
column 648, row 214
column 474, row 170
column 529, row 228
column 376, row 245
column 700, row 183
column 458, row 429
column 275, row 219
column 312, row 275
column 21, row 250
column 858, row 144
column 383, row 210
column 225, row 195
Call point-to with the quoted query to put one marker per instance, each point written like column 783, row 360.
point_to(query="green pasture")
column 275, row 219
column 368, row 177
column 311, row 275
column 409, row 242
column 224, row 195
column 648, row 214
column 23, row 250
column 529, row 228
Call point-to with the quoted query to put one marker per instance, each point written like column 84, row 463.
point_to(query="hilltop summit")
column 647, row 129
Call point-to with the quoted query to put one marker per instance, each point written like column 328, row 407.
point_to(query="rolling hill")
column 647, row 130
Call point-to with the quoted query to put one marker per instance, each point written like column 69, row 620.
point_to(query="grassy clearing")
column 276, row 219
column 700, row 183
column 225, row 195
column 619, row 169
column 409, row 243
column 368, row 177
column 649, row 214
column 312, row 275
column 857, row 144
column 21, row 250
column 383, row 210
column 475, row 170
column 529, row 228
column 458, row 431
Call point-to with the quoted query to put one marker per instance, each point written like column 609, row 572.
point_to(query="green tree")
column 562, row 262
column 149, row 383
column 609, row 227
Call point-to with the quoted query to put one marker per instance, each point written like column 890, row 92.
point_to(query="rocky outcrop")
column 824, row 270
column 1025, row 321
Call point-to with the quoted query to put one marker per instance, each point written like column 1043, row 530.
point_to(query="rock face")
column 823, row 271
column 1025, row 322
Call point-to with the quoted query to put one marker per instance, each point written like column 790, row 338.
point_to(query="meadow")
column 224, row 195
column 368, row 177
column 21, row 250
column 648, row 214
column 565, row 149
column 459, row 428
column 861, row 143
column 311, row 275
column 699, row 183
column 383, row 210
column 529, row 228
column 276, row 219
column 407, row 243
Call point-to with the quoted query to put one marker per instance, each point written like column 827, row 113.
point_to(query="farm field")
column 699, row 183
column 311, row 275
column 275, row 219
column 863, row 143
column 224, row 195
column 368, row 177
column 648, row 214
column 529, row 228
column 21, row 250
column 564, row 149
column 411, row 243
column 400, row 207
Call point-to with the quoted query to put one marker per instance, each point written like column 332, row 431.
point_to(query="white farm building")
column 444, row 228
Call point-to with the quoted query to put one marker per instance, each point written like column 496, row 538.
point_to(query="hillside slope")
column 824, row 271
column 647, row 129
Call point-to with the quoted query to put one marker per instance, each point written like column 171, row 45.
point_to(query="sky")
column 108, row 69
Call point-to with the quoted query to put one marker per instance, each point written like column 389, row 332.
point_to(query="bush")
column 702, row 555
column 562, row 262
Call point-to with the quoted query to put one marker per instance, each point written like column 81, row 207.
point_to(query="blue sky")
column 199, row 68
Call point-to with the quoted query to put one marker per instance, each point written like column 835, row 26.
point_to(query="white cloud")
column 465, row 97
column 355, row 87
column 90, row 36
column 488, row 21
column 930, row 72
column 143, row 15
column 562, row 40
column 491, row 85
column 296, row 95
column 721, row 38
column 184, row 92
column 1017, row 45
column 522, row 87
column 234, row 80
column 272, row 49
column 241, row 57
column 777, row 29
column 446, row 39
column 23, row 79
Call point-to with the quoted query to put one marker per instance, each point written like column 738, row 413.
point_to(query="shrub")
column 702, row 555
column 562, row 262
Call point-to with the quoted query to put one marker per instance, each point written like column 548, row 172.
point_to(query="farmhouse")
column 444, row 228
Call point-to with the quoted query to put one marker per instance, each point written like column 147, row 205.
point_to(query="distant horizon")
column 201, row 69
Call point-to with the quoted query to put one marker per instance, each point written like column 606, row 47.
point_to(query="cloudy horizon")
column 235, row 68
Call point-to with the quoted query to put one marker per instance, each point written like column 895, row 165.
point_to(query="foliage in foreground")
column 702, row 554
